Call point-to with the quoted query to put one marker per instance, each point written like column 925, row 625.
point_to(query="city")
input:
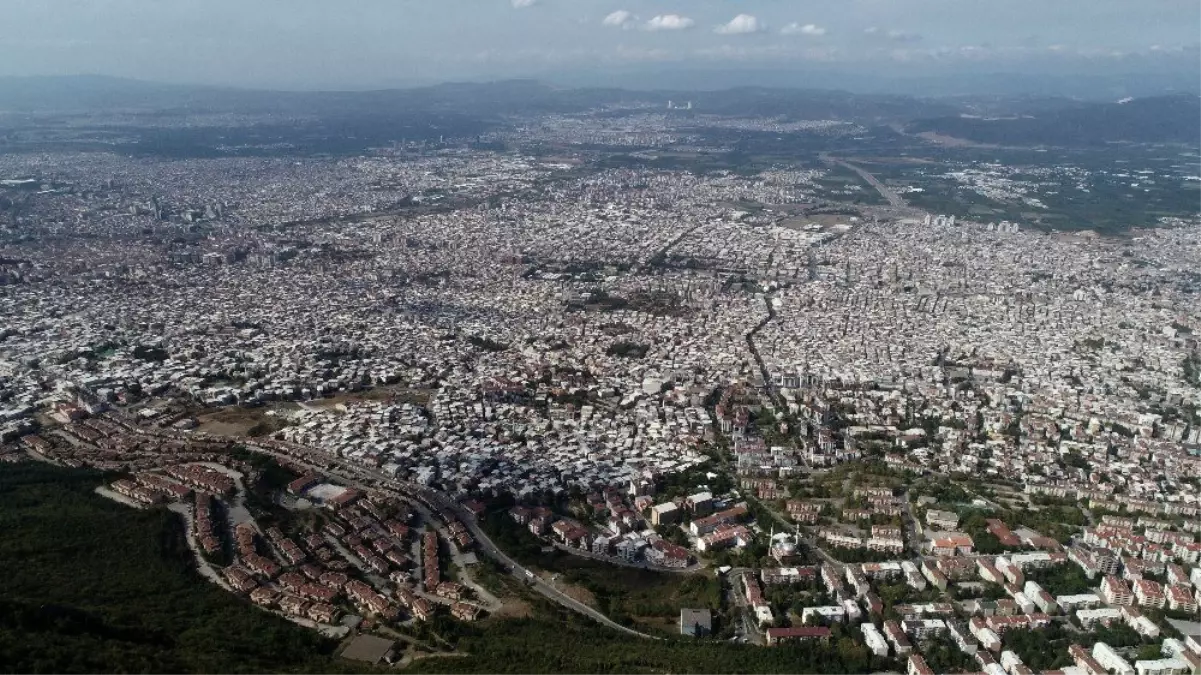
column 511, row 377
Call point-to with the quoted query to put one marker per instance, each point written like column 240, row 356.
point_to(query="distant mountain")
column 1159, row 119
column 90, row 92
column 486, row 100
column 1004, row 120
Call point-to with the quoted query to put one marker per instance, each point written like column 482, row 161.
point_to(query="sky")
column 353, row 44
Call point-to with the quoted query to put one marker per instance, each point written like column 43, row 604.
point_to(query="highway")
column 487, row 547
column 428, row 501
column 892, row 197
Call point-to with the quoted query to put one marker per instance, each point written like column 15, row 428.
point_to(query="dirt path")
column 104, row 491
column 202, row 566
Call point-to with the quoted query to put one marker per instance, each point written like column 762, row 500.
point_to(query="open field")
column 230, row 421
column 238, row 421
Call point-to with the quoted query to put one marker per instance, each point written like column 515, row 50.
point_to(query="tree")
column 1148, row 652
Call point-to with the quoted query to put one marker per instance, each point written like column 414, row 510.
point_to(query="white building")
column 1111, row 660
column 1169, row 666
column 874, row 639
column 826, row 613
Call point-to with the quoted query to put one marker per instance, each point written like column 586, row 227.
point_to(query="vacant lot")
column 238, row 421
column 649, row 600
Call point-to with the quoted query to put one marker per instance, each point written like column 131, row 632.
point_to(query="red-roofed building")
column 474, row 506
column 797, row 634
column 1115, row 591
column 1149, row 593
column 917, row 666
column 952, row 544
column 348, row 497
column 303, row 483
column 1004, row 535
column 1180, row 598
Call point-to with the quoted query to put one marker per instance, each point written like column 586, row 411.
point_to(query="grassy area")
column 92, row 586
column 382, row 394
column 1066, row 579
column 236, row 421
column 640, row 598
column 649, row 601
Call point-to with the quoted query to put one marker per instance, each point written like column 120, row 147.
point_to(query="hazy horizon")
column 863, row 44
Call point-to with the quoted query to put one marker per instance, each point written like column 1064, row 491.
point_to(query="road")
column 913, row 542
column 887, row 193
column 428, row 501
column 488, row 548
column 763, row 371
column 750, row 622
column 662, row 253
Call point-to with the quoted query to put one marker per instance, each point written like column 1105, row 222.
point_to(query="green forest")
column 94, row 586
column 567, row 643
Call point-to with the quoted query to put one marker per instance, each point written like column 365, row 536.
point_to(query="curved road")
column 426, row 500
column 490, row 549
column 430, row 501
column 763, row 371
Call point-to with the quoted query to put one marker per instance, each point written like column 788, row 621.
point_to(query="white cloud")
column 522, row 4
column 902, row 36
column 740, row 25
column 808, row 29
column 621, row 19
column 669, row 22
column 893, row 35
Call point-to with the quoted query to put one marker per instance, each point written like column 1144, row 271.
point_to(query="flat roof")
column 369, row 648
column 696, row 616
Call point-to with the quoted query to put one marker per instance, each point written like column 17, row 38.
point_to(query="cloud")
column 669, row 22
column 522, row 4
column 740, row 25
column 621, row 19
column 902, row 36
column 893, row 35
column 795, row 28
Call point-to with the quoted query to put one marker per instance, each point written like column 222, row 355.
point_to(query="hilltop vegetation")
column 93, row 586
column 569, row 644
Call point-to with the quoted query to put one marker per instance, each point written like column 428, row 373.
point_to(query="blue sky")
column 363, row 43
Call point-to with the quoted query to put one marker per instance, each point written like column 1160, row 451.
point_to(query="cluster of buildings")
column 618, row 532
column 949, row 347
column 976, row 627
column 552, row 355
column 531, row 328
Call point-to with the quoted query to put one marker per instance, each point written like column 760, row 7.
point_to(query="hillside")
column 93, row 586
column 1160, row 119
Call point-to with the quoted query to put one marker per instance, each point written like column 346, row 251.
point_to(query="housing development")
column 379, row 388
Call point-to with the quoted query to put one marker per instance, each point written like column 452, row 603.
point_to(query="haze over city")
column 863, row 44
